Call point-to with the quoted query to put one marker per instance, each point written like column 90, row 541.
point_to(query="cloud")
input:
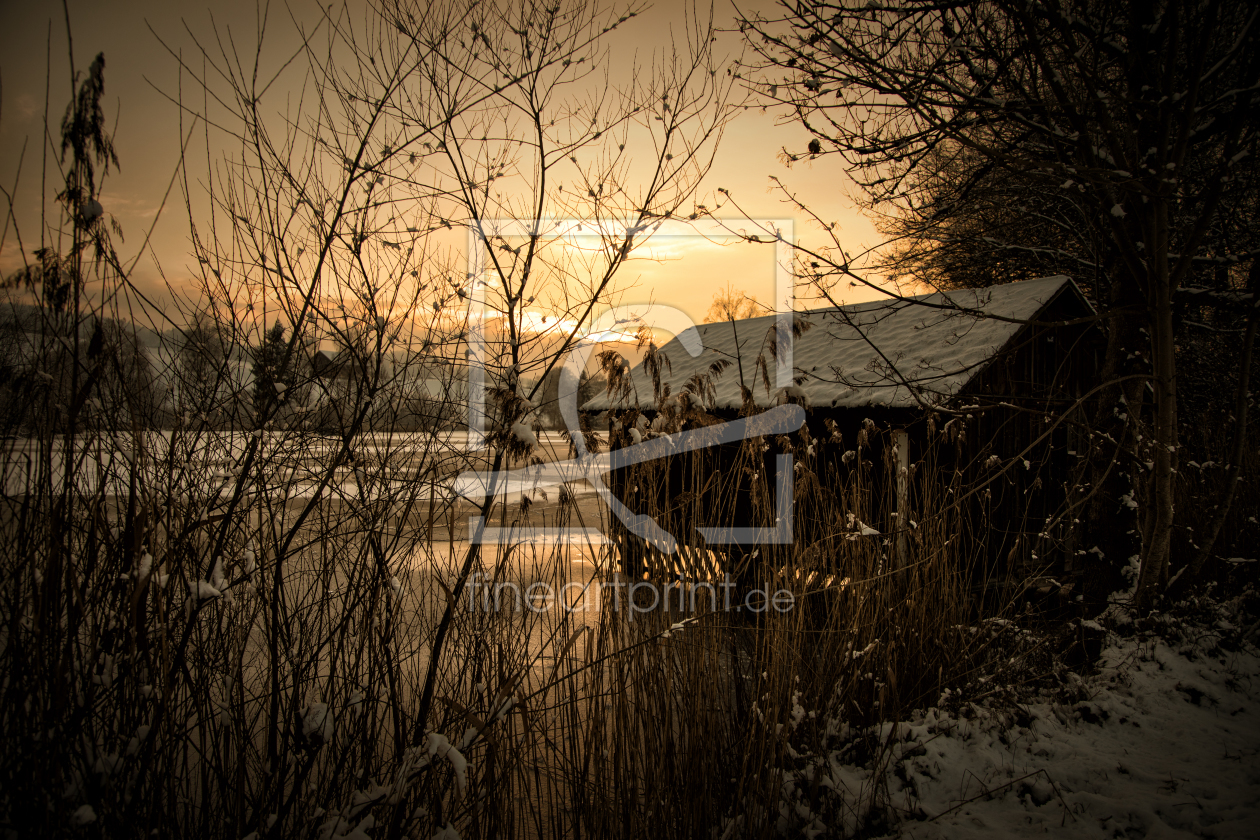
column 27, row 107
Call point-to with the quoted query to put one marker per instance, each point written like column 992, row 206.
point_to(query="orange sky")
column 139, row 72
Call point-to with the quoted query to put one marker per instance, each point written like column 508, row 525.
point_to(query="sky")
column 142, row 79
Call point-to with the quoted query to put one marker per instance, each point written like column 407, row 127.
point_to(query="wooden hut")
column 953, row 410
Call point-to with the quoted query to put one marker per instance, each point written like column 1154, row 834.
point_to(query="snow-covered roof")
column 890, row 353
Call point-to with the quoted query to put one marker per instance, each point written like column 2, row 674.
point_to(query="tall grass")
column 195, row 644
column 722, row 719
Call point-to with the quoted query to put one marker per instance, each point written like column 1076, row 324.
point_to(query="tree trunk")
column 1157, row 527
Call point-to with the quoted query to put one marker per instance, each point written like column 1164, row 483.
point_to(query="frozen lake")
column 208, row 464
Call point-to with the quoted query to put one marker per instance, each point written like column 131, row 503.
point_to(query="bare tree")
column 732, row 305
column 456, row 190
column 1143, row 113
column 201, row 369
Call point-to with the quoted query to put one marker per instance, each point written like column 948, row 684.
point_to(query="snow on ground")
column 1164, row 744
